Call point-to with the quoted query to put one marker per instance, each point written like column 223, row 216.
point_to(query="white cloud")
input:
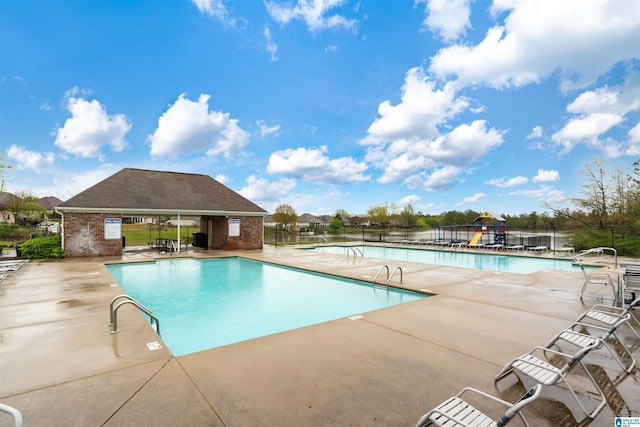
column 188, row 127
column 585, row 130
column 440, row 179
column 313, row 13
column 331, row 49
column 223, row 179
column 271, row 46
column 406, row 141
column 65, row 185
column 90, row 128
column 216, row 9
column 423, row 107
column 473, row 199
column 633, row 148
column 453, row 151
column 410, row 199
column 261, row 190
column 539, row 37
column 543, row 194
column 597, row 115
column 547, row 176
column 536, row 132
column 511, row 182
column 266, row 130
column 312, row 165
column 447, row 18
column 31, row 160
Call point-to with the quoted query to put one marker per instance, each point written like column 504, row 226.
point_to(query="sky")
column 323, row 104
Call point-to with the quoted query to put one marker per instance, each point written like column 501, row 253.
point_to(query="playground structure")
column 487, row 228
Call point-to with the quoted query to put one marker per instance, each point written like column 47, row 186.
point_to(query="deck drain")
column 154, row 346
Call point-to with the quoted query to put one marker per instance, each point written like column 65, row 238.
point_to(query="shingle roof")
column 307, row 218
column 157, row 192
column 8, row 198
column 49, row 202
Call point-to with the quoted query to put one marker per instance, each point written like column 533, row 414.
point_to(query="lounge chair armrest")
column 596, row 343
column 483, row 394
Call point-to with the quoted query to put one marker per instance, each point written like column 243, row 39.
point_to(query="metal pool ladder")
column 356, row 252
column 113, row 312
column 389, row 276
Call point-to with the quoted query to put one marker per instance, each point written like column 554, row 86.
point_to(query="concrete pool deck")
column 60, row 365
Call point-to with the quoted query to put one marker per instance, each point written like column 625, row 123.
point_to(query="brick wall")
column 84, row 236
column 251, row 232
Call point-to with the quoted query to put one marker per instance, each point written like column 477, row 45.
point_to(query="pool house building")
column 92, row 220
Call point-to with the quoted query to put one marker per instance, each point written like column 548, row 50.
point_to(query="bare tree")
column 597, row 191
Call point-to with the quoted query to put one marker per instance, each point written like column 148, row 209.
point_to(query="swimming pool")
column 478, row 261
column 206, row 303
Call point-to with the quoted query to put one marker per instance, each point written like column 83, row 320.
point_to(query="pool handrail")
column 389, row 276
column 378, row 274
column 599, row 250
column 394, row 272
column 129, row 300
column 355, row 251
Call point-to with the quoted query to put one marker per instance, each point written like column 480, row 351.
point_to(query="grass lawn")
column 142, row 234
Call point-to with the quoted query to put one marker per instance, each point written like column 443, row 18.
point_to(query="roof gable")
column 145, row 191
column 49, row 202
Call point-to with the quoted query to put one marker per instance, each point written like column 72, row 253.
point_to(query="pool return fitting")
column 113, row 311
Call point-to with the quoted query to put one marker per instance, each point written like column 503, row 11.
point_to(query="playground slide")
column 476, row 238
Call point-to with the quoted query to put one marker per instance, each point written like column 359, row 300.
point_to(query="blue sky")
column 325, row 104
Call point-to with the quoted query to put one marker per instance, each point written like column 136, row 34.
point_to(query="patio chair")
column 604, row 317
column 545, row 373
column 457, row 412
column 630, row 283
column 570, row 335
column 601, row 280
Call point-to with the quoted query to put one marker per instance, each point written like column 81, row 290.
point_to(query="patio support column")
column 178, row 233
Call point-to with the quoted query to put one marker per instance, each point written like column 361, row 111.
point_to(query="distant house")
column 92, row 220
column 7, row 203
column 50, row 203
column 309, row 221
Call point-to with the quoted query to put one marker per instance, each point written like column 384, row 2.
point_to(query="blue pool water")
column 208, row 303
column 478, row 261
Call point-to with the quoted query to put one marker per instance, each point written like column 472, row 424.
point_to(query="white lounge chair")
column 458, row 412
column 17, row 416
column 601, row 280
column 570, row 335
column 630, row 283
column 545, row 373
column 605, row 317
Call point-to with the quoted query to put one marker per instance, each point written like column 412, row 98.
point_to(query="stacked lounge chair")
column 588, row 333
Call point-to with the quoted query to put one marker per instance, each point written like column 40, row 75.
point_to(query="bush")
column 13, row 233
column 43, row 247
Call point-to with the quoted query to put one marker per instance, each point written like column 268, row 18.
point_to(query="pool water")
column 208, row 303
column 478, row 261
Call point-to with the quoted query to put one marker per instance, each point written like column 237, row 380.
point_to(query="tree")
column 381, row 213
column 285, row 214
column 408, row 216
column 3, row 166
column 335, row 224
column 342, row 215
column 605, row 192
